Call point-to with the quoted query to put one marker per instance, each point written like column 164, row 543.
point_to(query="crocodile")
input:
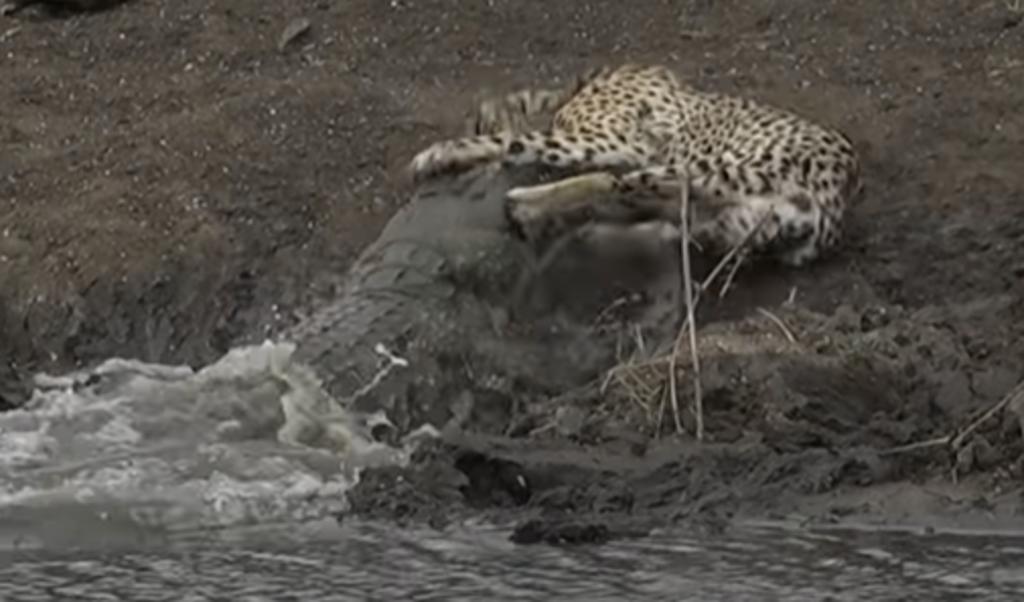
column 405, row 281
column 436, row 290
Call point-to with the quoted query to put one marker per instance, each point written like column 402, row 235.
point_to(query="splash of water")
column 250, row 438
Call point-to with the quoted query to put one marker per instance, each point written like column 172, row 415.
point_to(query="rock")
column 874, row 318
column 993, row 383
column 295, row 30
column 556, row 533
column 1016, row 406
column 953, row 392
column 492, row 481
column 569, row 420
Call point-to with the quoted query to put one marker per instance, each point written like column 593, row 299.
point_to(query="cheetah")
column 628, row 135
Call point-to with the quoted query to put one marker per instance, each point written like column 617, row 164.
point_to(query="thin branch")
column 778, row 322
column 956, row 440
column 691, row 323
column 394, row 361
column 1016, row 392
column 936, row 442
column 741, row 245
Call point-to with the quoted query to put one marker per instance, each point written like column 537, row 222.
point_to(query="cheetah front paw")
column 450, row 156
column 494, row 117
column 436, row 159
column 487, row 119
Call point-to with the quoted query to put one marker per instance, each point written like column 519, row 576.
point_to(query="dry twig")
column 900, row 449
column 1018, row 391
column 778, row 322
column 736, row 265
column 955, row 440
column 634, row 383
column 691, row 323
column 394, row 361
column 733, row 252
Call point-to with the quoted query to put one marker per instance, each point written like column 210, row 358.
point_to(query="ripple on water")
column 366, row 561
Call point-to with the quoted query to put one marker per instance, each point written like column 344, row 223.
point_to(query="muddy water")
column 370, row 562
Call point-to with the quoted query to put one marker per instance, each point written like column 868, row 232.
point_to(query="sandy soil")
column 172, row 181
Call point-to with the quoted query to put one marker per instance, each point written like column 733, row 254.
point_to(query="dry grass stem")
column 673, row 391
column 691, row 323
column 900, row 449
column 736, row 265
column 778, row 322
column 956, row 439
column 733, row 252
column 635, row 375
column 1015, row 393
column 641, row 347
column 394, row 361
column 661, row 416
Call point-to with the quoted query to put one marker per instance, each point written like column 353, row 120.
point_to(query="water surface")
column 358, row 561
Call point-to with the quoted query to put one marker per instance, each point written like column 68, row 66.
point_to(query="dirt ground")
column 171, row 181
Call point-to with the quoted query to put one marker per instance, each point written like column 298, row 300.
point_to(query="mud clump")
column 536, row 531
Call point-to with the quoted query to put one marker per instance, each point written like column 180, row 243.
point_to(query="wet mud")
column 174, row 180
column 820, row 429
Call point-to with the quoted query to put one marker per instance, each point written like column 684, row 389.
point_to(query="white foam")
column 180, row 448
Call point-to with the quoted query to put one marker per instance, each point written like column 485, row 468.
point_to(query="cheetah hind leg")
column 639, row 195
column 787, row 228
column 529, row 205
column 791, row 228
column 783, row 232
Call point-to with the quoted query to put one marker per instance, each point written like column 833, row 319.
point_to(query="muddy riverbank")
column 173, row 182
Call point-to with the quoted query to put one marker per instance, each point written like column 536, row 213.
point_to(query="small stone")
column 954, row 393
column 296, row 29
column 965, row 459
column 1017, row 407
column 986, row 457
column 569, row 421
column 874, row 318
column 993, row 383
column 845, row 319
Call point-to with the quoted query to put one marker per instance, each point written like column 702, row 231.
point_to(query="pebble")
column 296, row 29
